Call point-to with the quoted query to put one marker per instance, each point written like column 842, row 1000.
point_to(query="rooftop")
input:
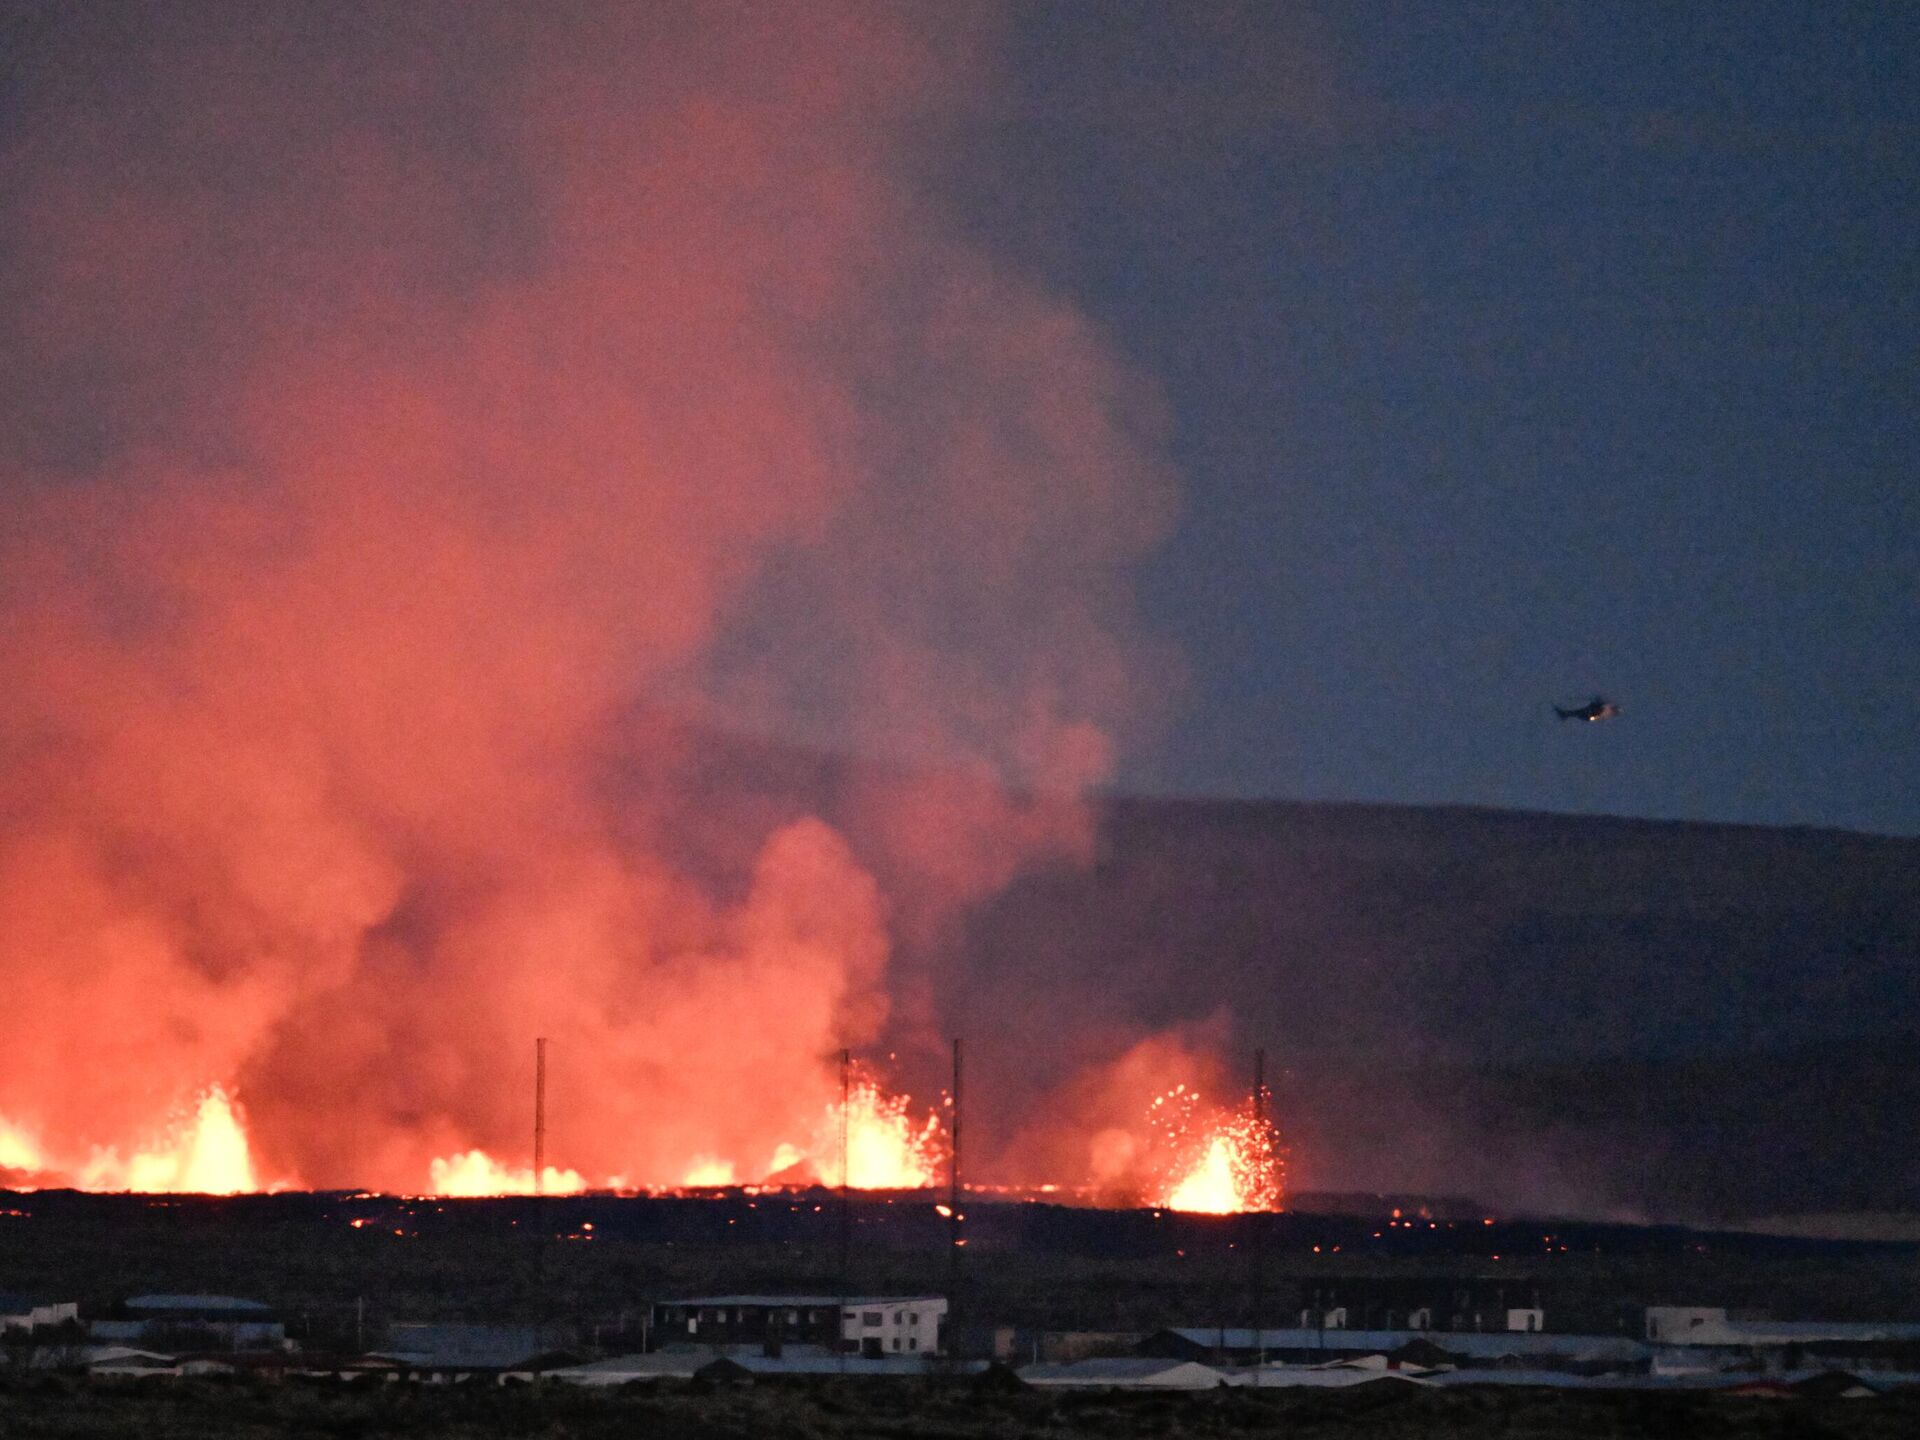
column 773, row 1302
column 207, row 1304
column 1127, row 1370
column 1469, row 1344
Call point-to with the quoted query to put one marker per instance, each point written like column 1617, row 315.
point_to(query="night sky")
column 1512, row 354
column 1516, row 353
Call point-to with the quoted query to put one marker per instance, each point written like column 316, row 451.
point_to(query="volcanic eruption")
column 423, row 424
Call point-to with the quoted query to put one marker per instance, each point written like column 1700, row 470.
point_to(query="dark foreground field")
column 339, row 1268
column 76, row 1410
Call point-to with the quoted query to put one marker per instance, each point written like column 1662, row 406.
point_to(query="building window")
column 913, row 1342
column 872, row 1317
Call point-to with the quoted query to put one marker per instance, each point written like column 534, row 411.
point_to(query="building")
column 1133, row 1372
column 631, row 1369
column 1239, row 1346
column 805, row 1360
column 1016, row 1345
column 189, row 1322
column 1420, row 1302
column 1703, row 1337
column 21, row 1312
column 873, row 1325
column 1684, row 1324
column 441, row 1353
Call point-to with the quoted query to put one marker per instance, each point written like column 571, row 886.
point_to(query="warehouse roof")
column 202, row 1304
column 1132, row 1371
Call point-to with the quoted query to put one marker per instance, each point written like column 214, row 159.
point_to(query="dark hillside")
column 1586, row 1013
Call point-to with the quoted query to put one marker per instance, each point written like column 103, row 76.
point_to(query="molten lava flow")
column 204, row 1153
column 1210, row 1187
column 886, row 1148
column 708, row 1172
column 1223, row 1162
column 476, row 1174
column 17, row 1152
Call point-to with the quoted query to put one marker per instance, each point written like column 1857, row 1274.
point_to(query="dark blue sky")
column 1517, row 353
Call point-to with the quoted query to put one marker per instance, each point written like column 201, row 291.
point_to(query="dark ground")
column 1026, row 1264
column 161, row 1409
column 1570, row 1014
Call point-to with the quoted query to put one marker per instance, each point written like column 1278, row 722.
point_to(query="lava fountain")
column 1222, row 1162
column 201, row 1150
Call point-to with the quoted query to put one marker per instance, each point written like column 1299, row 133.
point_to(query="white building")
column 1686, row 1324
column 222, row 1319
column 871, row 1325
column 17, row 1312
column 1125, row 1373
column 908, row 1325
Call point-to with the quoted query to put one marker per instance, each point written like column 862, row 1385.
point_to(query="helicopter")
column 1598, row 708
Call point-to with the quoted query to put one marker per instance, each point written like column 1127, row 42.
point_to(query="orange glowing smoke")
column 423, row 430
column 1223, row 1162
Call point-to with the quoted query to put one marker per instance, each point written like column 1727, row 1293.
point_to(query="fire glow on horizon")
column 1224, row 1162
column 481, row 429
column 200, row 1151
column 1212, row 1161
column 886, row 1148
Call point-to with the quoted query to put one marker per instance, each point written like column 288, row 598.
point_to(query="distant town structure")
column 873, row 1326
column 1683, row 1324
column 21, row 1312
column 1423, row 1302
column 455, row 1352
column 224, row 1321
column 1701, row 1337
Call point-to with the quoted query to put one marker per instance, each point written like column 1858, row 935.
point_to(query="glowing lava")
column 886, row 1148
column 1210, row 1187
column 707, row 1173
column 204, row 1152
column 475, row 1174
column 16, row 1151
column 201, row 1151
column 1223, row 1162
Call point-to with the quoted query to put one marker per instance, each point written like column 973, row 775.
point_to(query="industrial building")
column 217, row 1321
column 1236, row 1345
column 871, row 1325
column 22, row 1312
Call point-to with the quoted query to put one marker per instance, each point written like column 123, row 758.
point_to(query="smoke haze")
column 411, row 414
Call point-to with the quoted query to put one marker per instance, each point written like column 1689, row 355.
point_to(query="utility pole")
column 954, row 1218
column 846, row 1197
column 539, row 1115
column 1257, row 1248
column 539, row 1181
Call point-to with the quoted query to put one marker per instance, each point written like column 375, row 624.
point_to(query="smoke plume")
column 417, row 421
